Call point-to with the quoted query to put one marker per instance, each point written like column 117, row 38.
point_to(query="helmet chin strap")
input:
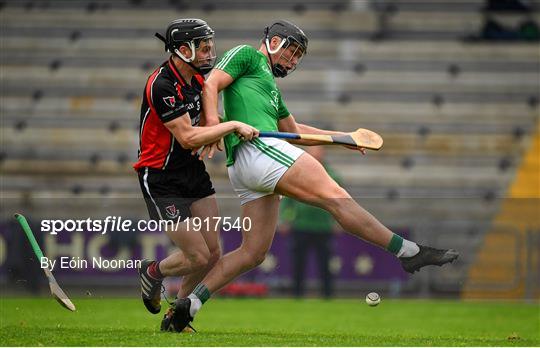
column 277, row 70
column 184, row 58
column 267, row 43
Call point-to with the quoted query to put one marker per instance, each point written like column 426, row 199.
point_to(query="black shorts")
column 169, row 194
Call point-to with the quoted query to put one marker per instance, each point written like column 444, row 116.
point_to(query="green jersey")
column 253, row 97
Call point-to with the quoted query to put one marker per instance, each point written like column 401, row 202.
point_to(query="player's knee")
column 200, row 259
column 336, row 192
column 332, row 198
column 215, row 255
column 255, row 258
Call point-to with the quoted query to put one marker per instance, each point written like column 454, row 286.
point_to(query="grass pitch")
column 273, row 322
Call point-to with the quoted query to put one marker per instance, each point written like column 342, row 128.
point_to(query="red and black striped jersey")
column 166, row 97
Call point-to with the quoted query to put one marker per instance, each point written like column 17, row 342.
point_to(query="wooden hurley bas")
column 361, row 138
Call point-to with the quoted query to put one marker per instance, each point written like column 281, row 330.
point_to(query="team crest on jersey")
column 172, row 212
column 169, row 101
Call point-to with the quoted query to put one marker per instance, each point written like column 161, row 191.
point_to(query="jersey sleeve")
column 237, row 61
column 282, row 108
column 166, row 101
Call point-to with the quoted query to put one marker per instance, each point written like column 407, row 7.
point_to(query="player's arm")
column 210, row 115
column 216, row 82
column 304, row 128
column 192, row 137
column 208, row 149
column 289, row 124
column 174, row 115
column 234, row 64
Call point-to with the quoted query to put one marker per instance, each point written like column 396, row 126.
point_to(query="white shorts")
column 258, row 166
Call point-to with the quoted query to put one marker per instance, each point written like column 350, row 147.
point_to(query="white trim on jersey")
column 145, row 180
column 170, row 151
column 227, row 58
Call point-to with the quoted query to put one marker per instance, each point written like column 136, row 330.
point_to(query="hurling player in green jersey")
column 263, row 168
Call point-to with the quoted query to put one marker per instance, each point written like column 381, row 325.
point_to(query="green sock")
column 202, row 292
column 395, row 244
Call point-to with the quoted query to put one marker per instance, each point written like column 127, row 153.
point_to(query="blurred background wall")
column 452, row 86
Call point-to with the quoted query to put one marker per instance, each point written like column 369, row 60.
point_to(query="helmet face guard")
column 292, row 50
column 203, row 53
column 198, row 37
column 293, row 45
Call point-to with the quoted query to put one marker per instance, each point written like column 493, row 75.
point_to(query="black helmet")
column 290, row 33
column 190, row 32
column 288, row 30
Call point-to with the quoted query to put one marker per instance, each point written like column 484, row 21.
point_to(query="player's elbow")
column 188, row 144
column 183, row 132
column 187, row 141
